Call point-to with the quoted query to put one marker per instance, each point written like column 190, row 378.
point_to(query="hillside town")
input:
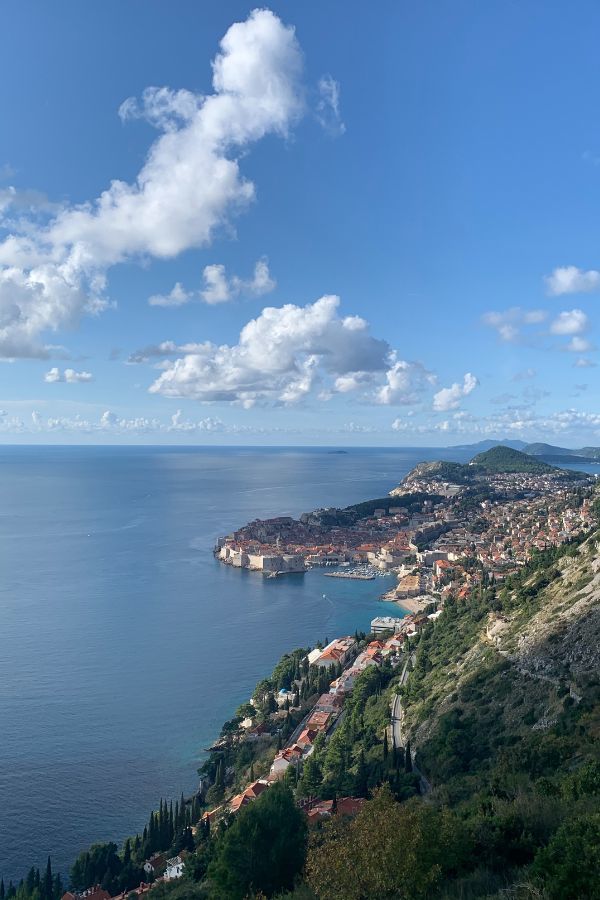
column 435, row 536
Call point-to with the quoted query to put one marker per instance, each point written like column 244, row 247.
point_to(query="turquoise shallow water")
column 124, row 645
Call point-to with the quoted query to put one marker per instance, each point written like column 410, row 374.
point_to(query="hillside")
column 496, row 461
column 507, row 460
column 503, row 708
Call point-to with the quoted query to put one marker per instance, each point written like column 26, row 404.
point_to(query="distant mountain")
column 564, row 454
column 480, row 446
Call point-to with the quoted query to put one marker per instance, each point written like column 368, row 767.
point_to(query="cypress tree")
column 252, row 771
column 2, row 891
column 362, row 788
column 48, row 890
column 385, row 745
column 58, row 887
column 408, row 758
column 30, row 881
column 127, row 853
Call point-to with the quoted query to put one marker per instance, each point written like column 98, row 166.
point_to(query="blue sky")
column 316, row 223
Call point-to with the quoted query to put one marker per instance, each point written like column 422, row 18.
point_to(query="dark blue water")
column 123, row 644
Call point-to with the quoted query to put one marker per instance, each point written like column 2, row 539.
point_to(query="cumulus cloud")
column 328, row 106
column 584, row 363
column 220, row 288
column 572, row 321
column 509, row 323
column 176, row 297
column 405, row 382
column 571, row 280
column 279, row 357
column 578, row 344
column 189, row 186
column 69, row 376
column 450, row 397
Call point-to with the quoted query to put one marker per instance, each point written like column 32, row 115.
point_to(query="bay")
column 123, row 644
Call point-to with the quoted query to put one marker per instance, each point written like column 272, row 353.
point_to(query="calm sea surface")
column 123, row 644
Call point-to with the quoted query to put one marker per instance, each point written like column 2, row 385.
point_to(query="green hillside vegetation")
column 440, row 470
column 497, row 460
column 505, row 459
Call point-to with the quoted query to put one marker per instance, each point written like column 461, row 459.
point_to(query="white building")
column 175, row 867
column 385, row 623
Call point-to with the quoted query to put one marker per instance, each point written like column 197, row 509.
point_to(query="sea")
column 124, row 645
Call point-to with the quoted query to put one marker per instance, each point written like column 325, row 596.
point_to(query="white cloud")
column 405, row 382
column 280, row 355
column 328, row 106
column 176, row 297
column 509, row 323
column 579, row 344
column 216, row 285
column 571, row 280
column 261, row 281
column 163, row 108
column 189, row 186
column 572, row 321
column 450, row 397
column 69, row 376
column 583, row 363
column 219, row 288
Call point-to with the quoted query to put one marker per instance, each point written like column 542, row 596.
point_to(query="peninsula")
column 496, row 509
